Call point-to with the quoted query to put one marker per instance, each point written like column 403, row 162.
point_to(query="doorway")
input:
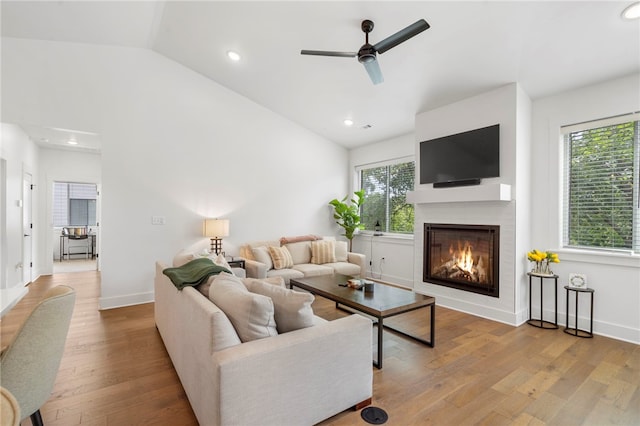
column 75, row 227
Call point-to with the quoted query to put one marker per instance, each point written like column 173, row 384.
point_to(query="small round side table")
column 541, row 322
column 575, row 331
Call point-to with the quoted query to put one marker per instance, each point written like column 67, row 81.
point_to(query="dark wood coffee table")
column 385, row 301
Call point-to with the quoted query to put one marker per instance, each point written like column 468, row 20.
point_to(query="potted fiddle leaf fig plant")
column 348, row 215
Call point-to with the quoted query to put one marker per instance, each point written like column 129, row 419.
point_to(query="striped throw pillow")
column 281, row 257
column 323, row 251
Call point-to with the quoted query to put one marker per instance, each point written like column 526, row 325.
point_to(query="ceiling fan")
column 367, row 53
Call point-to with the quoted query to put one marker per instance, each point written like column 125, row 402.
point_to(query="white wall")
column 20, row 155
column 177, row 145
column 61, row 166
column 397, row 251
column 615, row 278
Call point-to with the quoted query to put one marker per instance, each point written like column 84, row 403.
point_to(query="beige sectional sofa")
column 298, row 377
column 310, row 255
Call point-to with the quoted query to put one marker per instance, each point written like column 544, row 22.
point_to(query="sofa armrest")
column 255, row 269
column 322, row 370
column 360, row 260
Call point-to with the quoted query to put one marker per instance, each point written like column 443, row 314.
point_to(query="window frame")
column 565, row 193
column 358, row 184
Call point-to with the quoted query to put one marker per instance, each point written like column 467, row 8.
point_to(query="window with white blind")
column 385, row 186
column 74, row 204
column 601, row 204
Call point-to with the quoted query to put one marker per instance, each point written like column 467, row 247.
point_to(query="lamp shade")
column 216, row 228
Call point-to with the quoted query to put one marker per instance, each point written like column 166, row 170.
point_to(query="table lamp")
column 215, row 229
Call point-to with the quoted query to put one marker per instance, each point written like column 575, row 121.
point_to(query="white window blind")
column 601, row 201
column 385, row 186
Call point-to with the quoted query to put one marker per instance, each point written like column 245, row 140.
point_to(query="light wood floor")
column 115, row 371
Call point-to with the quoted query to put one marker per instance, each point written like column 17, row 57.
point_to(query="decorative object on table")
column 577, row 280
column 348, row 215
column 355, row 283
column 542, row 261
column 215, row 229
column 368, row 286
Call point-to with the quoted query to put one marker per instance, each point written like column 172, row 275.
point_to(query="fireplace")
column 465, row 257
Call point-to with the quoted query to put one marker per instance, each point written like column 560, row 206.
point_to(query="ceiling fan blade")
column 329, row 53
column 401, row 36
column 373, row 68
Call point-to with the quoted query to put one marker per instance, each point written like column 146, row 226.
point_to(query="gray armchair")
column 30, row 363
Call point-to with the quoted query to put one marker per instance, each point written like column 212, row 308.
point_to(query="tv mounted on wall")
column 461, row 159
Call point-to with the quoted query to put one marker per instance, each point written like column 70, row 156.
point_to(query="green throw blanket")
column 193, row 273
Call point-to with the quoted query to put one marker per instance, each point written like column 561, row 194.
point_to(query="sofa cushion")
column 292, row 308
column 276, row 281
column 323, row 251
column 285, row 274
column 345, row 268
column 311, row 270
column 342, row 248
column 245, row 250
column 252, row 315
column 298, row 238
column 281, row 257
column 300, row 251
column 224, row 334
column 261, row 254
column 220, row 261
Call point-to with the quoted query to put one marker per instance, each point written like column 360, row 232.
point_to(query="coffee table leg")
column 433, row 325
column 380, row 326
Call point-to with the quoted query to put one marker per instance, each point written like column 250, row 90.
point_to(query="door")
column 27, row 228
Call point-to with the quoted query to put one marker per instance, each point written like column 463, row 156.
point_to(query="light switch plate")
column 157, row 220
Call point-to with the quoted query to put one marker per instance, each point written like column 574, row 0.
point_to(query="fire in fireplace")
column 465, row 257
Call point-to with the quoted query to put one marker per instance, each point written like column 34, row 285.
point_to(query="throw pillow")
column 261, row 254
column 292, row 308
column 342, row 249
column 323, row 251
column 251, row 314
column 220, row 261
column 281, row 257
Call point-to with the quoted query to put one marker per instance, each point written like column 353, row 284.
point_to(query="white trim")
column 593, row 124
column 390, row 162
column 126, row 300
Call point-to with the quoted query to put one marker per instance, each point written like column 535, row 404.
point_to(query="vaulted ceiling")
column 471, row 47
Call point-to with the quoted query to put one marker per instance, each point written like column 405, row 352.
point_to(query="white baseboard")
column 125, row 300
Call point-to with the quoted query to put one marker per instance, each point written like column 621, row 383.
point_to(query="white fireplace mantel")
column 486, row 192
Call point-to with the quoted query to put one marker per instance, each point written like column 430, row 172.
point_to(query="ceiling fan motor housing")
column 366, row 54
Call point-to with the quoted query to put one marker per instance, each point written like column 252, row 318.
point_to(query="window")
column 74, row 204
column 385, row 187
column 601, row 200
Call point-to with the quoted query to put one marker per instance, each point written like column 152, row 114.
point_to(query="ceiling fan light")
column 632, row 11
column 233, row 55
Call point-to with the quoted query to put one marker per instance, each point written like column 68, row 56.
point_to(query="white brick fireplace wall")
column 499, row 201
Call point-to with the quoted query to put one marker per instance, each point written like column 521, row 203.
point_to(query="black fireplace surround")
column 465, row 257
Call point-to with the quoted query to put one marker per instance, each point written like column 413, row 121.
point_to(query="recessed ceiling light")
column 348, row 122
column 72, row 141
column 632, row 11
column 233, row 55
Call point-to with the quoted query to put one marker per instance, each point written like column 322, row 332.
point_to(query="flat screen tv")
column 461, row 159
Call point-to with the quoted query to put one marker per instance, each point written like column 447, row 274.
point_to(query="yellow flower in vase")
column 542, row 259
